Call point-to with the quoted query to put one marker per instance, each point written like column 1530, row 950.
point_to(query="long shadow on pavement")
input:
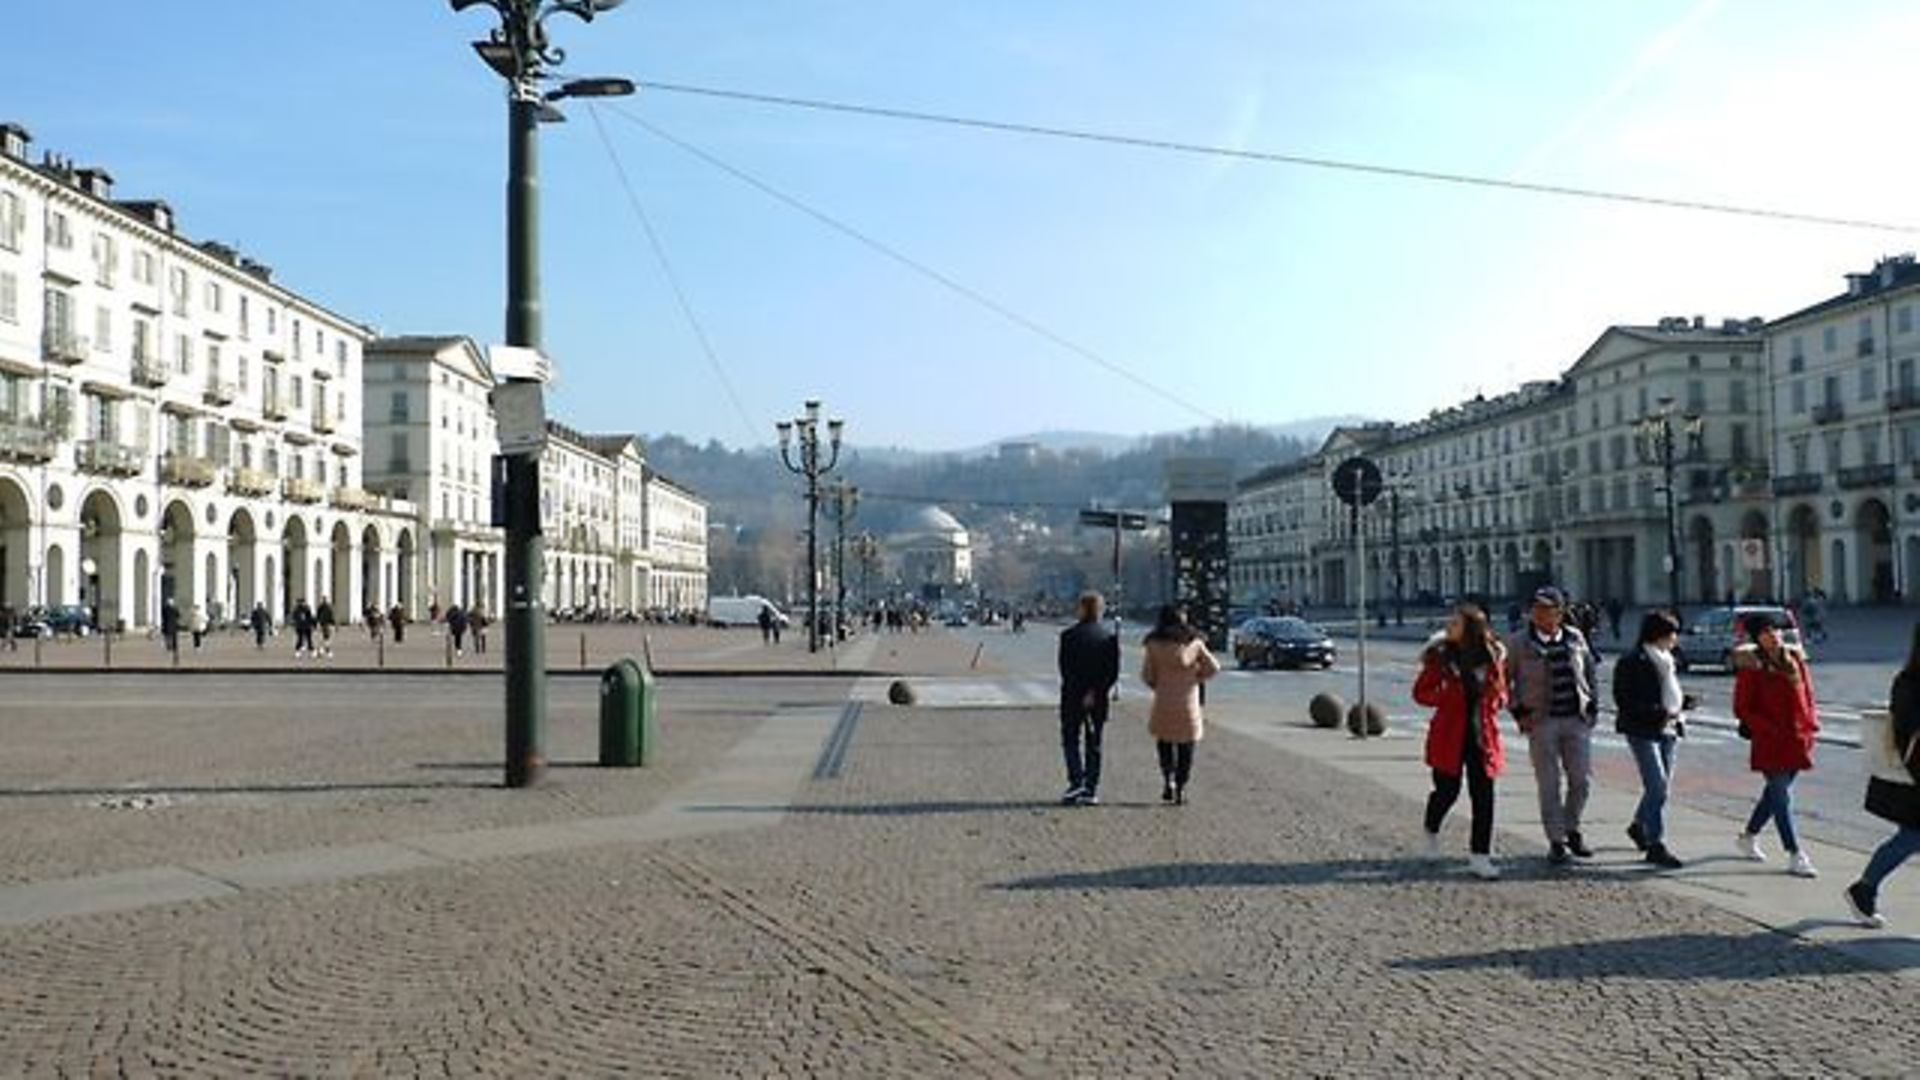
column 909, row 809
column 1291, row 875
column 1677, row 957
column 239, row 789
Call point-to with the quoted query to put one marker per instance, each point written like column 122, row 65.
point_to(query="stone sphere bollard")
column 900, row 693
column 1325, row 709
column 1376, row 719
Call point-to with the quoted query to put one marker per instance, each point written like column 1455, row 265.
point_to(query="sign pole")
column 1360, row 610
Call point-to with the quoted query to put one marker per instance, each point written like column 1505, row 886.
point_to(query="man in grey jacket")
column 1553, row 699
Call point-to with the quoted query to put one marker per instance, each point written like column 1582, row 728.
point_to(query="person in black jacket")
column 1648, row 704
column 1895, row 802
column 1089, row 666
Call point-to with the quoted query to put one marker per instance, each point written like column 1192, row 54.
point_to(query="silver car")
column 1716, row 632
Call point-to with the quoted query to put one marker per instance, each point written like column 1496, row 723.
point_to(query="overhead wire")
column 673, row 279
column 917, row 266
column 1277, row 158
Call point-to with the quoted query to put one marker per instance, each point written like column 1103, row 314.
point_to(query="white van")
column 741, row 610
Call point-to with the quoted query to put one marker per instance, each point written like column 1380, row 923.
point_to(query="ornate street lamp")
column 802, row 454
column 520, row 51
column 1656, row 438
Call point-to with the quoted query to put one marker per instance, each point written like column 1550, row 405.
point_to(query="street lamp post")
column 520, row 52
column 843, row 503
column 801, row 453
column 1657, row 437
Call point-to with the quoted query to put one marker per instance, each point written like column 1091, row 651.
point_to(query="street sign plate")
column 520, row 417
column 1357, row 482
column 519, row 362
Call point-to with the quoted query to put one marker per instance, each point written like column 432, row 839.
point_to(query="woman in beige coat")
column 1177, row 662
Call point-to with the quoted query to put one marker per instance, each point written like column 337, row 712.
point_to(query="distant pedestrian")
column 1089, row 661
column 8, row 620
column 433, row 612
column 1554, row 703
column 477, row 621
column 323, row 615
column 1614, row 610
column 457, row 627
column 261, row 623
column 1649, row 709
column 303, row 623
column 397, row 619
column 1892, row 800
column 1463, row 679
column 170, row 625
column 1774, row 704
column 197, row 623
column 766, row 624
column 1177, row 663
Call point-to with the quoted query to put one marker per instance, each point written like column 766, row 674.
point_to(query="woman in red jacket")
column 1463, row 678
column 1773, row 700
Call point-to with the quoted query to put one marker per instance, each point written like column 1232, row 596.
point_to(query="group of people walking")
column 1176, row 667
column 1546, row 677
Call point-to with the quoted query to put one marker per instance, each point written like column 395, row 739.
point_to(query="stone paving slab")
column 929, row 909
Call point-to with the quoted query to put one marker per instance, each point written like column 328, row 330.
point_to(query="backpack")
column 1886, row 759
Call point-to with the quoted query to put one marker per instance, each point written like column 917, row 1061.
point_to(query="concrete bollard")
column 380, row 647
column 106, row 641
column 1366, row 720
column 583, row 650
column 449, row 652
column 900, row 693
column 1326, row 710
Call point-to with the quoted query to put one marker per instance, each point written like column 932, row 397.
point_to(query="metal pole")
column 839, row 560
column 1119, row 586
column 1360, row 559
column 1673, row 540
column 525, row 617
column 812, row 457
column 1399, row 577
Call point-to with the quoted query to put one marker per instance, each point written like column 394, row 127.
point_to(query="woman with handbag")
column 1463, row 679
column 1892, row 800
column 1773, row 701
column 1648, row 705
column 1176, row 664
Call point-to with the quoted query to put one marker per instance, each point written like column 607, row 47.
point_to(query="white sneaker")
column 1430, row 844
column 1801, row 866
column 1481, row 866
column 1749, row 847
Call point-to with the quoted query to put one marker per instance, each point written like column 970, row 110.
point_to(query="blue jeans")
column 1654, row 755
column 1776, row 802
column 1887, row 858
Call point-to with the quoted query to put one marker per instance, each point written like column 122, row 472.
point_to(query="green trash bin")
column 628, row 731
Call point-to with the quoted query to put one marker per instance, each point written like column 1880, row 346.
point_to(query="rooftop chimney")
column 258, row 269
column 95, row 181
column 152, row 211
column 13, row 141
column 1699, row 322
column 1857, row 284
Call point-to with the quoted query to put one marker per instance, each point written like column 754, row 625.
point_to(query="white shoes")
column 1749, row 847
column 1432, row 844
column 1481, row 866
column 1801, row 866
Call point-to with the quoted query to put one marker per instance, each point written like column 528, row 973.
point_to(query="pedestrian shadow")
column 291, row 788
column 1189, row 875
column 1763, row 954
column 904, row 809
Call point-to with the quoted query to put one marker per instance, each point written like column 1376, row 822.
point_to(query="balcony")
column 1748, row 483
column 187, row 470
column 220, row 393
column 26, row 444
column 252, row 482
column 273, row 408
column 149, row 372
column 1831, row 412
column 1902, row 398
column 64, row 347
column 107, row 457
column 1865, row 476
column 295, row 489
column 322, row 422
column 1800, row 484
column 352, row 498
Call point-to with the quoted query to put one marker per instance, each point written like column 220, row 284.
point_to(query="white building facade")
column 173, row 424
column 676, row 547
column 431, row 441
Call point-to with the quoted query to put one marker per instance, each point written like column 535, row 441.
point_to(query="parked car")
column 1282, row 641
column 1716, row 632
column 74, row 620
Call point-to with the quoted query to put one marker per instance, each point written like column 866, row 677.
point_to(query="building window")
column 298, row 388
column 1869, row 383
column 1836, row 447
column 106, row 260
column 59, row 231
column 13, row 220
column 1910, row 442
column 1798, row 392
column 1903, row 319
column 241, row 372
column 143, row 267
column 213, row 361
column 1800, row 456
column 1870, row 446
column 340, row 358
column 183, row 353
column 9, row 297
column 397, row 453
column 1830, row 338
column 142, row 340
column 400, row 409
column 179, row 287
column 1831, row 384
column 213, row 296
column 1693, row 362
column 1737, row 440
column 1641, row 401
column 1737, row 396
column 102, row 329
column 1696, row 396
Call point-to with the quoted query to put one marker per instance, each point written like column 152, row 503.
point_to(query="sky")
column 358, row 147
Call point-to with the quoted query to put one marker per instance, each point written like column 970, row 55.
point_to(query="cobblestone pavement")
column 925, row 908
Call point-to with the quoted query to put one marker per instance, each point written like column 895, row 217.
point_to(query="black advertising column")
column 1198, row 490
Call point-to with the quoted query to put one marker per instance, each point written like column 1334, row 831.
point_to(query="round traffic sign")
column 1357, row 481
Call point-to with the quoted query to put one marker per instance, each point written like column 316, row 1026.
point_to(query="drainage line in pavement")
column 833, row 756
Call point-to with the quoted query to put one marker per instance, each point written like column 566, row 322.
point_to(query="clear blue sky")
column 357, row 146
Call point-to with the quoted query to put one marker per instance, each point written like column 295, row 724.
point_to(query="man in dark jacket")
column 260, row 622
column 170, row 625
column 325, row 617
column 303, row 623
column 1089, row 666
column 1553, row 700
column 1890, row 799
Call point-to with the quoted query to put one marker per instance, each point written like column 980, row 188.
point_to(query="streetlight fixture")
column 520, row 52
column 1656, row 434
column 843, row 502
column 801, row 453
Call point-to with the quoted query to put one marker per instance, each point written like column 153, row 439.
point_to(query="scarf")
column 1670, row 696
